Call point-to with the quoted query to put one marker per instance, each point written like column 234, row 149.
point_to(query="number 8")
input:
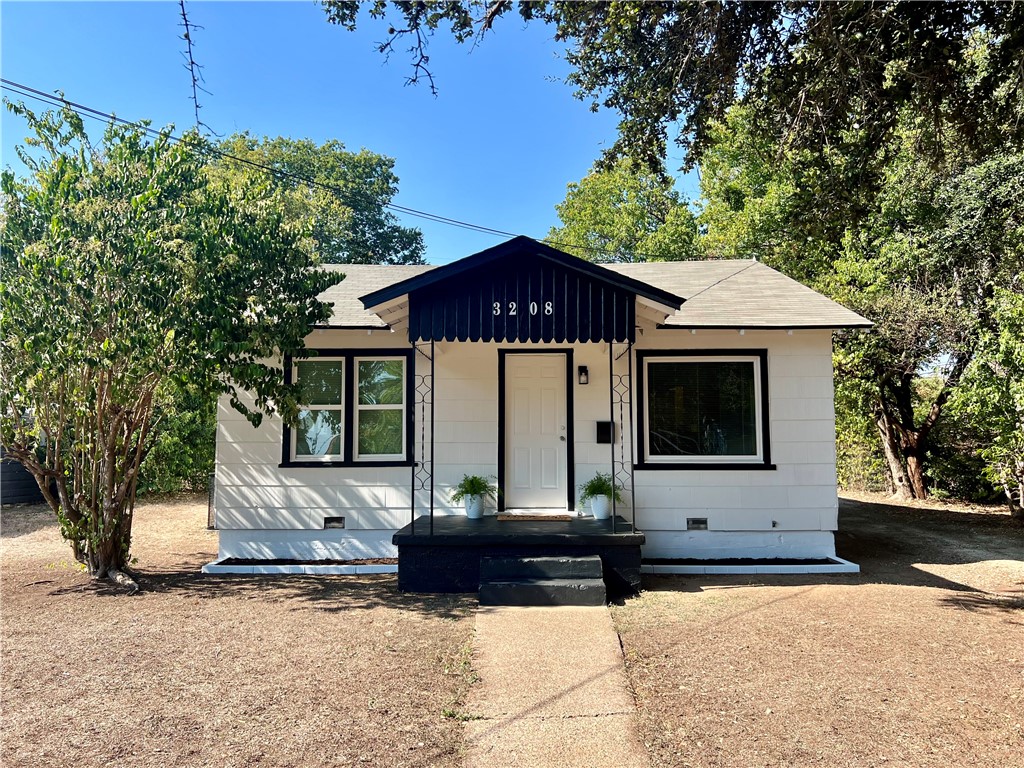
column 548, row 308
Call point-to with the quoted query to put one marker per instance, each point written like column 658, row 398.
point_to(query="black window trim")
column 348, row 356
column 643, row 463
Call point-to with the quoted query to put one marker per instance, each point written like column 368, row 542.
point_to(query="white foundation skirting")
column 838, row 565
column 306, row 569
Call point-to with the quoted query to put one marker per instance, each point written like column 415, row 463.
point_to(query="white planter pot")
column 474, row 506
column 601, row 507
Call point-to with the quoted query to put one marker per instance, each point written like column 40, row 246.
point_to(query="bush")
column 182, row 457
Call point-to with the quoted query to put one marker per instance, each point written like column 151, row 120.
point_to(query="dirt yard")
column 218, row 670
column 917, row 661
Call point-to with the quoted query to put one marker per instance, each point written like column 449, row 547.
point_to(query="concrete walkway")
column 552, row 691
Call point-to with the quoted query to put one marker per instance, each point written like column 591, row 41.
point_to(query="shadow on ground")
column 294, row 592
column 889, row 542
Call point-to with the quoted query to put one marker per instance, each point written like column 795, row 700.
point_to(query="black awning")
column 522, row 290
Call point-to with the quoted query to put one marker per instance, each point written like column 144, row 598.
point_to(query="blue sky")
column 496, row 147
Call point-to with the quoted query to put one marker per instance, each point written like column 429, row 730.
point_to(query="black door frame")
column 570, row 451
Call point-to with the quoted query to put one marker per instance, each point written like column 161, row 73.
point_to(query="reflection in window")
column 319, row 432
column 380, row 408
column 702, row 407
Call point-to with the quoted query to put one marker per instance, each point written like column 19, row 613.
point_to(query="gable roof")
column 730, row 293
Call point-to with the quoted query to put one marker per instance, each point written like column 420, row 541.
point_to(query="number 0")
column 533, row 307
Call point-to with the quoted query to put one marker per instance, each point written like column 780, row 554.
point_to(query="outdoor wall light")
column 583, row 374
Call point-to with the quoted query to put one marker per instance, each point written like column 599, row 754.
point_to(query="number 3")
column 497, row 308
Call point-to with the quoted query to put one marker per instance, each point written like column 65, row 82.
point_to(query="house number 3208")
column 513, row 309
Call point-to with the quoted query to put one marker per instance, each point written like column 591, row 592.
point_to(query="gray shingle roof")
column 361, row 279
column 719, row 294
column 738, row 293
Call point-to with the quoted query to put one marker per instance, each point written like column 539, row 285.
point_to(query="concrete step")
column 510, row 568
column 576, row 591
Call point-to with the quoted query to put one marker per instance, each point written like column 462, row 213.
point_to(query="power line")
column 96, row 114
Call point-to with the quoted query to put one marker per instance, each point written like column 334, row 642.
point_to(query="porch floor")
column 449, row 559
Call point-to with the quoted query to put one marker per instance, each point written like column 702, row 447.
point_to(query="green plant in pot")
column 472, row 490
column 599, row 491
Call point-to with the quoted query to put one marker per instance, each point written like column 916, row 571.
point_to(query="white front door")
column 536, row 442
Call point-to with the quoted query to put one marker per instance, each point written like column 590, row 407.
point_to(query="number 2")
column 511, row 307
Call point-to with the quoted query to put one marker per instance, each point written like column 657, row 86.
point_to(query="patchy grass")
column 219, row 670
column 917, row 661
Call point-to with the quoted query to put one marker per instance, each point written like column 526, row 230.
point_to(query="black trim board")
column 641, row 432
column 570, row 453
column 518, row 245
column 829, row 327
column 347, row 355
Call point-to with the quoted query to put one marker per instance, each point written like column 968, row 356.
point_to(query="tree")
column 920, row 259
column 126, row 273
column 347, row 210
column 992, row 394
column 836, row 74
column 625, row 214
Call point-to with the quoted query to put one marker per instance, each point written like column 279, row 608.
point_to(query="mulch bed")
column 734, row 561
column 278, row 561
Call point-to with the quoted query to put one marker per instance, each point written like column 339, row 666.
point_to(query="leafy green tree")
column 920, row 258
column 992, row 394
column 127, row 272
column 836, row 74
column 625, row 214
column 346, row 211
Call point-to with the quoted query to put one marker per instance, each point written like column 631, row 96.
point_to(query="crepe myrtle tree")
column 127, row 272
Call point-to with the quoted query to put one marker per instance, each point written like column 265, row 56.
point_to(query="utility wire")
column 206, row 147
column 86, row 111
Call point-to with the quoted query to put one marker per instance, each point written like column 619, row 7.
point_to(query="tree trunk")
column 893, row 462
column 913, row 444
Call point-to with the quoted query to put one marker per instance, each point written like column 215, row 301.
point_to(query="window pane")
column 380, row 432
column 702, row 409
column 381, row 382
column 320, row 381
column 318, row 433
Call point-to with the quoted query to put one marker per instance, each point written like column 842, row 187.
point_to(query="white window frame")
column 358, row 408
column 340, row 408
column 681, row 458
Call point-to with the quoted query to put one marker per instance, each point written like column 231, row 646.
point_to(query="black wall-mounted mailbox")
column 605, row 432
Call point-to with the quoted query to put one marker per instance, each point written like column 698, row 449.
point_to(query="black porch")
column 444, row 556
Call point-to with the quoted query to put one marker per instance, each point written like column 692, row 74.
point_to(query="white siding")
column 790, row 510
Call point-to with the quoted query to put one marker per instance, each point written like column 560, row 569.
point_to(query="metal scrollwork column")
column 620, row 387
column 423, row 460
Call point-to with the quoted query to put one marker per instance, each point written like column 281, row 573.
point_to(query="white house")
column 704, row 387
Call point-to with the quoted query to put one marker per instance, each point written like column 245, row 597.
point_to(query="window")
column 704, row 409
column 319, row 431
column 355, row 409
column 380, row 408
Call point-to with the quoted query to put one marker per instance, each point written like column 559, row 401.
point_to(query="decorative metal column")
column 423, row 458
column 620, row 404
